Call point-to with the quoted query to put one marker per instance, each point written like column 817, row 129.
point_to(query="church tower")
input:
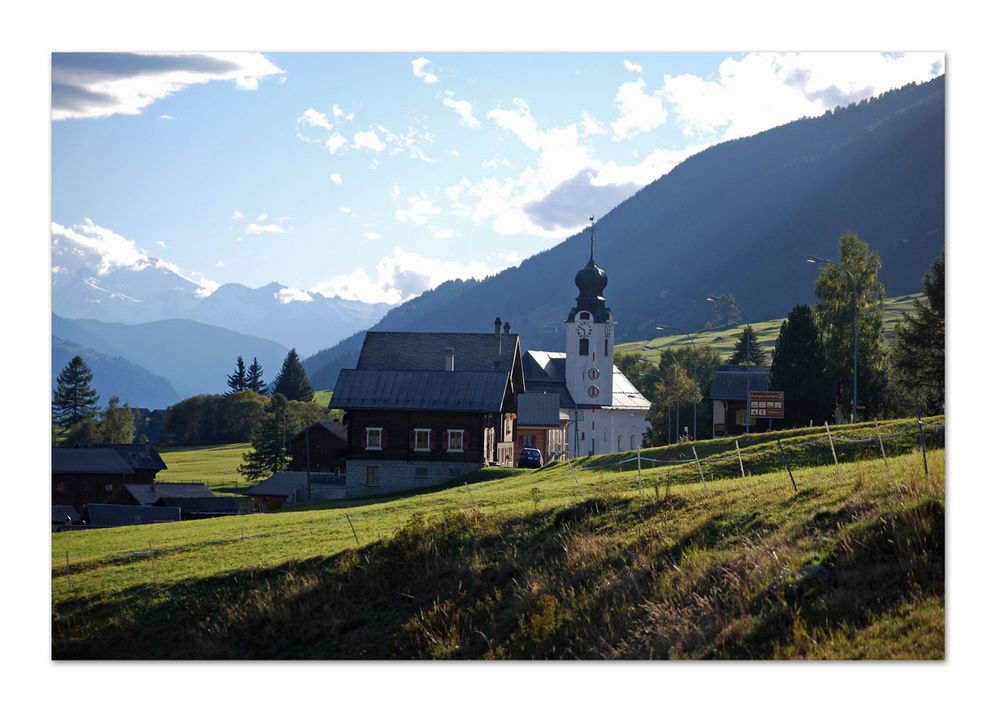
column 590, row 338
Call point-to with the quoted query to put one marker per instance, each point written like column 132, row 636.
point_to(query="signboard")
column 767, row 404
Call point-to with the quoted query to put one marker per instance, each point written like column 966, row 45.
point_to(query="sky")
column 375, row 176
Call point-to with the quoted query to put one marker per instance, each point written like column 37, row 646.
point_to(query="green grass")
column 322, row 397
column 524, row 564
column 723, row 339
column 216, row 466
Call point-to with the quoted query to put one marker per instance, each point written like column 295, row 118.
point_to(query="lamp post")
column 717, row 299
column 857, row 296
column 694, row 347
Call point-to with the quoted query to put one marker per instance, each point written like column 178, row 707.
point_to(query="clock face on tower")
column 584, row 328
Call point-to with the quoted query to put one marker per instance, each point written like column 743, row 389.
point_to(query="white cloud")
column 369, row 140
column 167, row 117
column 315, row 118
column 262, row 217
column 401, row 276
column 220, row 264
column 265, row 229
column 395, row 192
column 636, row 68
column 420, row 211
column 346, row 210
column 760, row 91
column 161, row 244
column 237, row 215
column 592, row 126
column 104, row 251
column 420, row 70
column 373, row 236
column 335, row 142
column 442, row 233
column 336, row 178
column 98, row 84
column 638, row 111
column 464, row 110
column 291, row 295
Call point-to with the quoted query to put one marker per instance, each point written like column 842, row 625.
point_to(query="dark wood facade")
column 320, row 448
column 79, row 489
column 485, row 437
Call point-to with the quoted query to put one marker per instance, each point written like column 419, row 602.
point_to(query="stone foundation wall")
column 401, row 475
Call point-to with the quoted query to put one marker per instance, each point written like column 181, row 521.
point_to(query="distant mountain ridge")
column 193, row 357
column 152, row 292
column 739, row 217
column 115, row 376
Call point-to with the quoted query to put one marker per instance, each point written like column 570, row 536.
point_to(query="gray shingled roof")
column 283, row 483
column 61, row 512
column 102, row 515
column 425, row 351
column 730, row 382
column 141, row 456
column 89, row 460
column 420, row 391
column 534, row 409
column 214, row 505
column 150, row 494
column 339, row 430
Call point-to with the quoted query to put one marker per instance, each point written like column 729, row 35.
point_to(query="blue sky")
column 377, row 175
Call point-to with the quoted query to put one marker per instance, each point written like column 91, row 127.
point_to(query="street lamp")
column 661, row 328
column 857, row 296
column 717, row 299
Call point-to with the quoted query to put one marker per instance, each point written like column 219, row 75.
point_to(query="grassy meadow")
column 722, row 340
column 558, row 562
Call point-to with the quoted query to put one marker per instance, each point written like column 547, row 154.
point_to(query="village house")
column 195, row 500
column 541, row 424
column 729, row 398
column 320, row 448
column 290, row 487
column 605, row 412
column 425, row 408
column 94, row 473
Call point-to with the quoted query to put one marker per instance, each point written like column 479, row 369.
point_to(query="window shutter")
column 433, row 439
column 383, row 439
column 413, row 438
column 465, row 440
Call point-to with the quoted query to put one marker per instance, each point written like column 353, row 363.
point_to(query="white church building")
column 606, row 412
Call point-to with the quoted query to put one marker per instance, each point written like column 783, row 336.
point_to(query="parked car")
column 530, row 458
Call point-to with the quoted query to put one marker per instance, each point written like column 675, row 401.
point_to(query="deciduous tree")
column 117, row 423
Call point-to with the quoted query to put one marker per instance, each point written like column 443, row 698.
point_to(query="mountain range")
column 740, row 217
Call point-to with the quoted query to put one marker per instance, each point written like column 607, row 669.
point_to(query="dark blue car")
column 530, row 458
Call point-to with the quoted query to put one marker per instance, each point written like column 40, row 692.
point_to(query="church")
column 606, row 412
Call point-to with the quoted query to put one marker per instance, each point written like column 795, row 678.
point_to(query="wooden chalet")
column 320, row 448
column 729, row 398
column 423, row 408
column 195, row 500
column 542, row 425
column 94, row 473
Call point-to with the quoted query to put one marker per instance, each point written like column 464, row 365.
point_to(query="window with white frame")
column 373, row 439
column 371, row 476
column 421, row 439
column 455, row 439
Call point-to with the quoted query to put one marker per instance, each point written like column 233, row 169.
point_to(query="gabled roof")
column 546, row 372
column 420, row 391
column 339, row 430
column 151, row 494
column 89, row 460
column 138, row 456
column 536, row 409
column 624, row 395
column 425, row 351
column 60, row 513
column 285, row 482
column 730, row 382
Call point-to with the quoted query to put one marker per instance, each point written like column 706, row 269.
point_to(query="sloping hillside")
column 739, row 217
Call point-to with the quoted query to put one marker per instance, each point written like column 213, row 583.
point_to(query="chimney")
column 506, row 328
column 449, row 359
column 496, row 329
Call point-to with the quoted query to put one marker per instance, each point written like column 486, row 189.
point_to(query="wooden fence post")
column 246, row 553
column 923, row 444
column 69, row 573
column 471, row 498
column 881, row 447
column 739, row 456
column 638, row 468
column 704, row 485
column 781, row 450
column 578, row 488
column 152, row 563
column 356, row 540
column 829, row 435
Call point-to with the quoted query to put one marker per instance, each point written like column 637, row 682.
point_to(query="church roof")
column 546, row 372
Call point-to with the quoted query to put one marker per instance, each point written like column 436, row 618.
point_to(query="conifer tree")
column 269, row 451
column 918, row 344
column 238, row 379
column 74, row 399
column 739, row 355
column 255, row 378
column 798, row 369
column 292, row 381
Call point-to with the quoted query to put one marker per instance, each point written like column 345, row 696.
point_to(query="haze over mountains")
column 739, row 218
